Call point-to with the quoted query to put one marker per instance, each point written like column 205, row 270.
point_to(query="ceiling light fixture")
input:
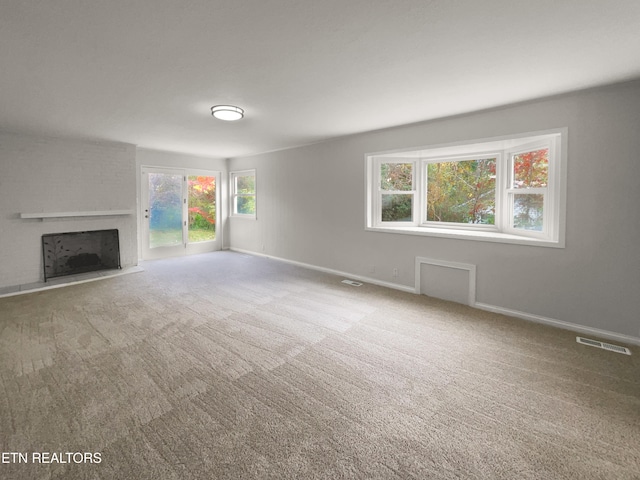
column 227, row 112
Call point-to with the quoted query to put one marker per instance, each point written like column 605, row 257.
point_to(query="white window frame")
column 501, row 148
column 233, row 190
column 460, row 158
column 550, row 205
column 378, row 199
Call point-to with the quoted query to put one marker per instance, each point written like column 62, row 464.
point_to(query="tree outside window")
column 243, row 193
column 505, row 189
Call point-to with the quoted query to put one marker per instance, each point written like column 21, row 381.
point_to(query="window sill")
column 496, row 237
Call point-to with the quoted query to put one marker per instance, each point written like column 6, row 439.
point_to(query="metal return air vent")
column 605, row 346
column 352, row 283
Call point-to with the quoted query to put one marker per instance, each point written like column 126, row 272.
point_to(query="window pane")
column 462, row 192
column 531, row 169
column 397, row 208
column 396, row 176
column 165, row 210
column 527, row 211
column 246, row 204
column 246, row 184
column 202, row 208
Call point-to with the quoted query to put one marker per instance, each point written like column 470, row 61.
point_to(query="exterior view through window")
column 528, row 187
column 396, row 183
column 243, row 193
column 496, row 190
column 462, row 192
column 165, row 202
column 202, row 208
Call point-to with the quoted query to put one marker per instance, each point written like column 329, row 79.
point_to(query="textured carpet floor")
column 228, row 366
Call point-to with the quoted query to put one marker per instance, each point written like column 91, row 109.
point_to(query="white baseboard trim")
column 574, row 327
column 373, row 281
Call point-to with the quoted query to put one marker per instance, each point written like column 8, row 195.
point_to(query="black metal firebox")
column 72, row 253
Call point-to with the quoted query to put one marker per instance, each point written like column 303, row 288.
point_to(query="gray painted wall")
column 311, row 209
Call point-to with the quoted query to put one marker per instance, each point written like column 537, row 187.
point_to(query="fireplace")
column 72, row 253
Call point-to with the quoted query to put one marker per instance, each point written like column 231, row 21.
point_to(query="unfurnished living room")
column 319, row 239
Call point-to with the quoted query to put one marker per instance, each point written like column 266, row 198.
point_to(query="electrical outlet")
column 372, row 269
column 395, row 272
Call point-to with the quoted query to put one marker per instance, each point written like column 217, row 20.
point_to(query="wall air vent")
column 605, row 346
column 352, row 283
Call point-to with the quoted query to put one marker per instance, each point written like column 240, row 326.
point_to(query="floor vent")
column 606, row 346
column 352, row 283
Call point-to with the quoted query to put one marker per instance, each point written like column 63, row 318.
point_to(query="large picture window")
column 461, row 191
column 243, row 194
column 509, row 190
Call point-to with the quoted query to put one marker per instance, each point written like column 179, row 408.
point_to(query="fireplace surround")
column 72, row 253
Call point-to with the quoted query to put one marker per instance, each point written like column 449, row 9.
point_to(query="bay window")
column 510, row 190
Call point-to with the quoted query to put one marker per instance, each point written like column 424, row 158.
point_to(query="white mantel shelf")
column 95, row 213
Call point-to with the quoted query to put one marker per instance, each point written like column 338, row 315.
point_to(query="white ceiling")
column 147, row 71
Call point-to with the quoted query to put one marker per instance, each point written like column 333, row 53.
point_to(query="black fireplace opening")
column 72, row 253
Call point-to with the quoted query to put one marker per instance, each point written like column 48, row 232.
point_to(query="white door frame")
column 184, row 248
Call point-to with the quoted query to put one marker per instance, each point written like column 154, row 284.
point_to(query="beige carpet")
column 227, row 366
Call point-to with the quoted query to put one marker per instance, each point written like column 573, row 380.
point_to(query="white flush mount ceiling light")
column 227, row 112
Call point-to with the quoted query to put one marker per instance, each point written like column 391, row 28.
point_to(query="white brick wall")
column 40, row 174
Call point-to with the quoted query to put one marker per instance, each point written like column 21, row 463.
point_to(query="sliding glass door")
column 179, row 212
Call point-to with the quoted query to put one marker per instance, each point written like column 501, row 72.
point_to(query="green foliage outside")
column 397, row 208
column 396, row 177
column 202, row 208
column 167, row 238
column 246, row 194
column 462, row 192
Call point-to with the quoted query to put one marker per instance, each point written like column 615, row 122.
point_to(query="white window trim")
column 233, row 194
column 460, row 158
column 553, row 234
column 550, row 192
column 378, row 197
